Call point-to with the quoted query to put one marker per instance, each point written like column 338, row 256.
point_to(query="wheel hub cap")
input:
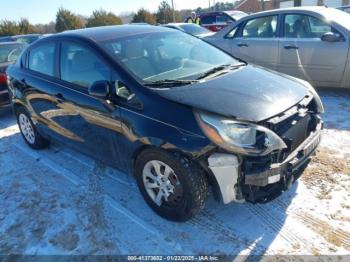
column 160, row 181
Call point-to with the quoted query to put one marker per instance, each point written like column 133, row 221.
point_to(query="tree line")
column 67, row 20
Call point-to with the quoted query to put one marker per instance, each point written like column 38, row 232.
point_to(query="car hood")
column 249, row 93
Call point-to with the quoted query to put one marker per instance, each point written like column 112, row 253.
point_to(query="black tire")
column 38, row 142
column 193, row 183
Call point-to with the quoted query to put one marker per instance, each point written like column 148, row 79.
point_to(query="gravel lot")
column 58, row 201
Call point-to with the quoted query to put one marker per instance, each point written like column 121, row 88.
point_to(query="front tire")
column 28, row 130
column 171, row 185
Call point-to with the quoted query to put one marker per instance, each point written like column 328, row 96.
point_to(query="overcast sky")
column 44, row 11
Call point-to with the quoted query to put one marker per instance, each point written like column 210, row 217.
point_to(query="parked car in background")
column 190, row 28
column 311, row 43
column 30, row 38
column 9, row 51
column 6, row 39
column 171, row 109
column 215, row 21
column 345, row 8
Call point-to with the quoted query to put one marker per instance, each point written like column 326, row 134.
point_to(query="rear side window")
column 41, row 59
column 262, row 27
column 80, row 66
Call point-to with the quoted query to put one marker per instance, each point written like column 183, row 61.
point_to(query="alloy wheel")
column 26, row 128
column 161, row 183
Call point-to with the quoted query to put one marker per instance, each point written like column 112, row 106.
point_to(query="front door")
column 304, row 55
column 93, row 122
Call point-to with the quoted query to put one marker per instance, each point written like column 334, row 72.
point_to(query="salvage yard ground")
column 58, row 201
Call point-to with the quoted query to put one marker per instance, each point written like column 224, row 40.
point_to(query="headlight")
column 239, row 137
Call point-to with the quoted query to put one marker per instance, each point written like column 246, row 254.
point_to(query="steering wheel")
column 178, row 60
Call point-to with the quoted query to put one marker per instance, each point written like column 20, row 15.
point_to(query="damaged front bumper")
column 237, row 185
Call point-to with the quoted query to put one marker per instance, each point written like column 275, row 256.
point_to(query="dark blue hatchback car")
column 179, row 114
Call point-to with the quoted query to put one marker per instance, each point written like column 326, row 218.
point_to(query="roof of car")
column 27, row 35
column 343, row 7
column 178, row 24
column 299, row 8
column 315, row 9
column 228, row 12
column 105, row 33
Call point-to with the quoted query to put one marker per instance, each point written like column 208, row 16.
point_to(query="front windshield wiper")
column 170, row 83
column 218, row 69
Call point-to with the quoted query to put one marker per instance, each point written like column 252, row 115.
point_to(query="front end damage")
column 260, row 179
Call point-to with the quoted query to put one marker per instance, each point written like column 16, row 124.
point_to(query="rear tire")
column 28, row 130
column 184, row 192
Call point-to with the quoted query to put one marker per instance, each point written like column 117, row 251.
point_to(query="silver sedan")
column 311, row 43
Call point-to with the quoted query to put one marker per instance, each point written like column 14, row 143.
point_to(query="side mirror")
column 331, row 37
column 99, row 89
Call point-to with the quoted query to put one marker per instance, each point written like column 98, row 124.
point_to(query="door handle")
column 291, row 47
column 242, row 44
column 59, row 97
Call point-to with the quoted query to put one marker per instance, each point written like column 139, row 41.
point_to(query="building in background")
column 252, row 6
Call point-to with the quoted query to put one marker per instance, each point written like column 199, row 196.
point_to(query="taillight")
column 3, row 79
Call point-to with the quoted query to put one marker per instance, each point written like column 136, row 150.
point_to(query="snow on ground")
column 58, row 201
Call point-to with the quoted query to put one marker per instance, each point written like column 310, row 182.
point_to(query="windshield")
column 194, row 29
column 9, row 53
column 166, row 56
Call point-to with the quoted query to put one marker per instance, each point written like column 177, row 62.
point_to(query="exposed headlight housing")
column 238, row 136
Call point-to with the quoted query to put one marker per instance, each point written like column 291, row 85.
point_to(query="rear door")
column 303, row 54
column 38, row 84
column 256, row 41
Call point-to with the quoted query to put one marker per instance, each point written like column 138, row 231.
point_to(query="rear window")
column 208, row 19
column 222, row 19
column 9, row 53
